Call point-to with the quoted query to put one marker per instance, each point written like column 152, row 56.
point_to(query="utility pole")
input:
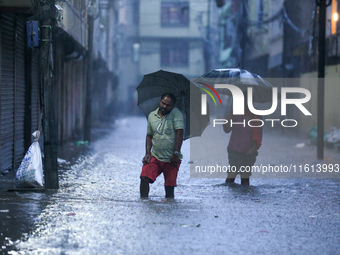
column 207, row 44
column 89, row 80
column 244, row 34
column 49, row 104
column 321, row 76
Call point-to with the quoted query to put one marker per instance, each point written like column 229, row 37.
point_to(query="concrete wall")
column 70, row 91
column 150, row 20
column 74, row 21
column 151, row 33
column 150, row 59
column 128, row 67
column 332, row 102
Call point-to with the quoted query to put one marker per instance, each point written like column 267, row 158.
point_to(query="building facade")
column 70, row 68
column 279, row 40
column 176, row 36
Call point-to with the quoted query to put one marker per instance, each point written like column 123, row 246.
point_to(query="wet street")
column 97, row 209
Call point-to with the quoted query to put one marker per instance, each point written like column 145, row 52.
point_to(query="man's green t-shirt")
column 163, row 141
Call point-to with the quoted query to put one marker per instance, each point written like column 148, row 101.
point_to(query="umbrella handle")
column 159, row 125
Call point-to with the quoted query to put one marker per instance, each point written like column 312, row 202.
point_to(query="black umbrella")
column 154, row 85
column 262, row 90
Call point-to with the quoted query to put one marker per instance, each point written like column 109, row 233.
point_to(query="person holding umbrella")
column 163, row 145
column 243, row 145
column 245, row 140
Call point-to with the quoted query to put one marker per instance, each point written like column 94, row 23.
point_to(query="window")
column 175, row 53
column 175, row 14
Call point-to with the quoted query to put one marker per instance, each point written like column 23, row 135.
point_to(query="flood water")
column 97, row 210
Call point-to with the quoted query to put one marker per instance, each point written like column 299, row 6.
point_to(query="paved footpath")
column 97, row 209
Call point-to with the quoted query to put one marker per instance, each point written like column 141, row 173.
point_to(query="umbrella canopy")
column 262, row 90
column 154, row 85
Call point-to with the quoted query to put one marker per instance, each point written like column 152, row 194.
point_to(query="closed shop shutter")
column 19, row 91
column 12, row 90
column 7, row 25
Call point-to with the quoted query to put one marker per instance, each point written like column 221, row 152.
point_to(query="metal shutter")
column 7, row 25
column 12, row 90
column 19, row 90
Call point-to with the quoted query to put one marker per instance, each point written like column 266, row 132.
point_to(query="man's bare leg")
column 244, row 180
column 169, row 191
column 144, row 186
column 231, row 177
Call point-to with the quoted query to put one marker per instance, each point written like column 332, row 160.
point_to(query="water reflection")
column 19, row 211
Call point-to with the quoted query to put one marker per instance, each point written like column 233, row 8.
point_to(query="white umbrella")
column 262, row 90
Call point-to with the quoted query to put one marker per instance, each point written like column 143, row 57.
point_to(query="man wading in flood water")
column 164, row 137
column 243, row 145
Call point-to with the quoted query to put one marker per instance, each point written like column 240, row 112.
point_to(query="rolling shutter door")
column 7, row 91
column 12, row 90
column 19, row 99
